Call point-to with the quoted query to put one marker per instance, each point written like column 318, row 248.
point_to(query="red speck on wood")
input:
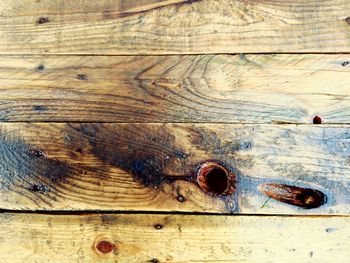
column 105, row 247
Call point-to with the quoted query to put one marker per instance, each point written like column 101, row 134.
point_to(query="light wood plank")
column 221, row 88
column 173, row 26
column 173, row 238
column 153, row 167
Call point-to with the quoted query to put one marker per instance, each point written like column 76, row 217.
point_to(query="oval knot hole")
column 216, row 179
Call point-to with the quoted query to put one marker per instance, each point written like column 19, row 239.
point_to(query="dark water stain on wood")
column 26, row 167
column 210, row 142
column 142, row 151
column 148, row 152
column 302, row 197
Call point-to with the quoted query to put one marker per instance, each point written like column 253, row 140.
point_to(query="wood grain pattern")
column 152, row 167
column 173, row 26
column 210, row 88
column 173, row 238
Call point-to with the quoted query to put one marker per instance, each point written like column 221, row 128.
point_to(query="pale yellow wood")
column 209, row 88
column 58, row 166
column 173, row 26
column 141, row 238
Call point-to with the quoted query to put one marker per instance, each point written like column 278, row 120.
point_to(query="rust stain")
column 145, row 153
column 306, row 198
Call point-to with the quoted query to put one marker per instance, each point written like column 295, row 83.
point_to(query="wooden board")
column 153, row 167
column 173, row 26
column 210, row 88
column 172, row 238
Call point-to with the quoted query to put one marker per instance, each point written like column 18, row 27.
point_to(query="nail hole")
column 37, row 153
column 41, row 67
column 79, row 150
column 347, row 20
column 215, row 179
column 158, row 226
column 43, row 20
column 39, row 188
column 82, row 76
column 180, row 198
column 154, row 260
column 38, row 108
column 105, row 247
column 317, row 120
column 345, row 63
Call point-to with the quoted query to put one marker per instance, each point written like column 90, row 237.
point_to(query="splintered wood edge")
column 145, row 238
column 266, row 169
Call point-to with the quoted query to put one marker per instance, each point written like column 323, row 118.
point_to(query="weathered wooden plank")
column 173, row 26
column 260, row 169
column 222, row 88
column 172, row 238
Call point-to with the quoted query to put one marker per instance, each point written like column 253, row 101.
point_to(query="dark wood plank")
column 278, row 169
column 173, row 26
column 223, row 88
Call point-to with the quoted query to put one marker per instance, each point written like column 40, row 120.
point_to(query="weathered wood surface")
column 152, row 167
column 209, row 88
column 173, row 238
column 173, row 26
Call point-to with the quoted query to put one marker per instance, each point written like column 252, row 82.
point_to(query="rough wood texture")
column 173, row 26
column 209, row 88
column 172, row 238
column 152, row 167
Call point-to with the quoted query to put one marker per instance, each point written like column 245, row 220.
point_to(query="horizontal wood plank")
column 264, row 169
column 209, row 88
column 173, row 26
column 172, row 238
